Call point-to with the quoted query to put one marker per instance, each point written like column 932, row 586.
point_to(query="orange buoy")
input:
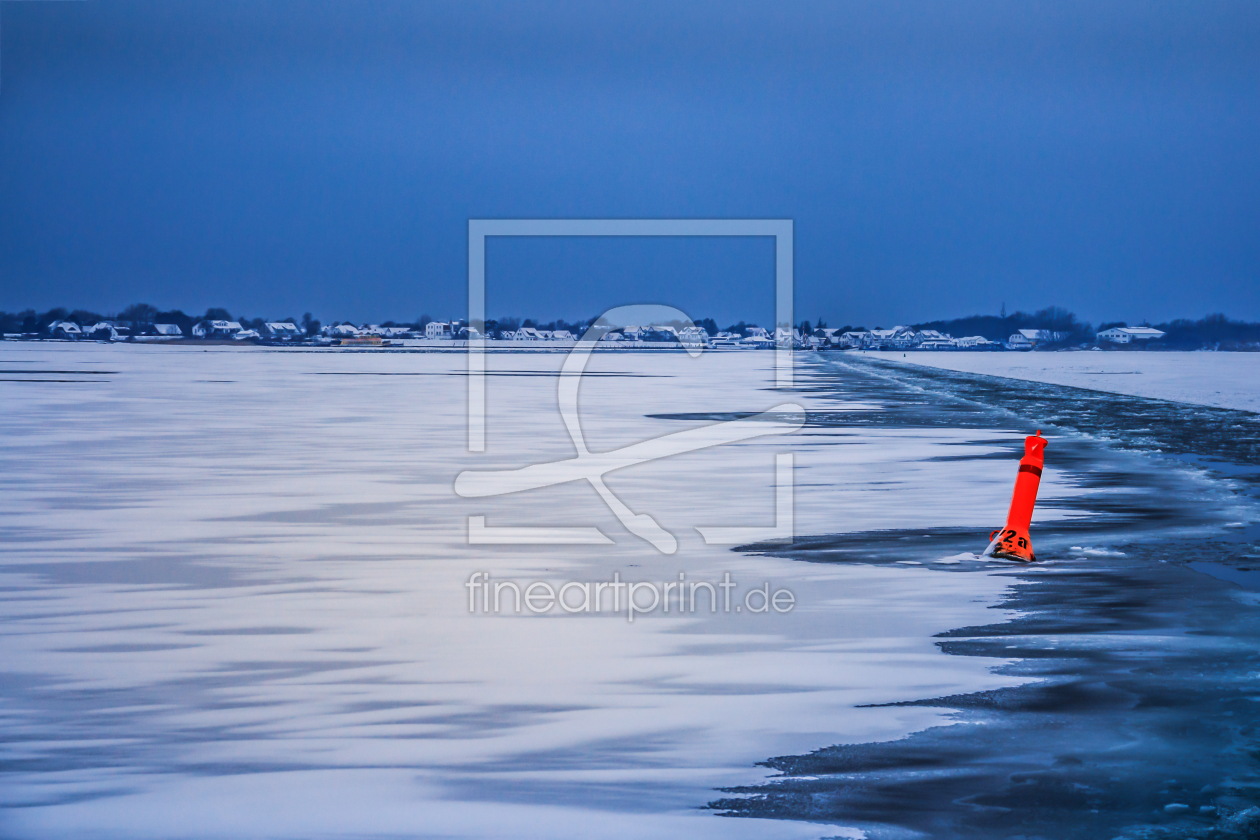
column 1012, row 542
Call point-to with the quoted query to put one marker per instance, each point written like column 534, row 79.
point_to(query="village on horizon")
column 1048, row 329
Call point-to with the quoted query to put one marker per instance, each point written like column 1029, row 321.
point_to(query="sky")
column 938, row 159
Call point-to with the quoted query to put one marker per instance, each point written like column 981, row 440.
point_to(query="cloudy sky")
column 938, row 158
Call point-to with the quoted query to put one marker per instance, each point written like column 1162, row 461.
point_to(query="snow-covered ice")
column 234, row 596
column 1224, row 380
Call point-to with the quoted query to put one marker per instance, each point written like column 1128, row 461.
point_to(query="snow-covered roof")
column 167, row 329
column 1136, row 332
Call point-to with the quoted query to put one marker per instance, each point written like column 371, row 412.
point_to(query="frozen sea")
column 234, row 596
column 1224, row 380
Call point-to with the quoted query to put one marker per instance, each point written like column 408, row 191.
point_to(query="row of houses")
column 118, row 331
column 901, row 338
column 455, row 330
column 897, row 338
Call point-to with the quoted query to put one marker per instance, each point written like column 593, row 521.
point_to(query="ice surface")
column 233, row 595
column 1224, row 380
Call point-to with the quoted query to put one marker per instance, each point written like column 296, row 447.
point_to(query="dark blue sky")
column 938, row 158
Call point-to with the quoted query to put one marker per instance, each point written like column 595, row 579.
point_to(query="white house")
column 160, row 332
column 1029, row 338
column 854, row 338
column 898, row 337
column 64, row 329
column 932, row 335
column 216, row 329
column 757, row 337
column 693, row 336
column 823, row 337
column 657, row 332
column 562, row 335
column 438, row 329
column 527, row 334
column 109, row 330
column 245, row 334
column 1019, row 341
column 282, row 330
column 973, row 342
column 1128, row 335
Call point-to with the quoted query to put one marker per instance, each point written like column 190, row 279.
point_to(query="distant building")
column 1128, row 335
column 65, row 329
column 527, row 334
column 725, row 339
column 438, row 329
column 822, row 337
column 108, row 331
column 898, row 338
column 1035, row 337
column 159, row 332
column 1019, row 341
column 854, row 339
column 216, row 329
column 282, row 331
column 757, row 337
column 340, row 331
column 658, row 333
column 562, row 335
column 694, row 336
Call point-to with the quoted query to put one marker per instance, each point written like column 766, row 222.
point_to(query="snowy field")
column 1224, row 380
column 234, row 595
